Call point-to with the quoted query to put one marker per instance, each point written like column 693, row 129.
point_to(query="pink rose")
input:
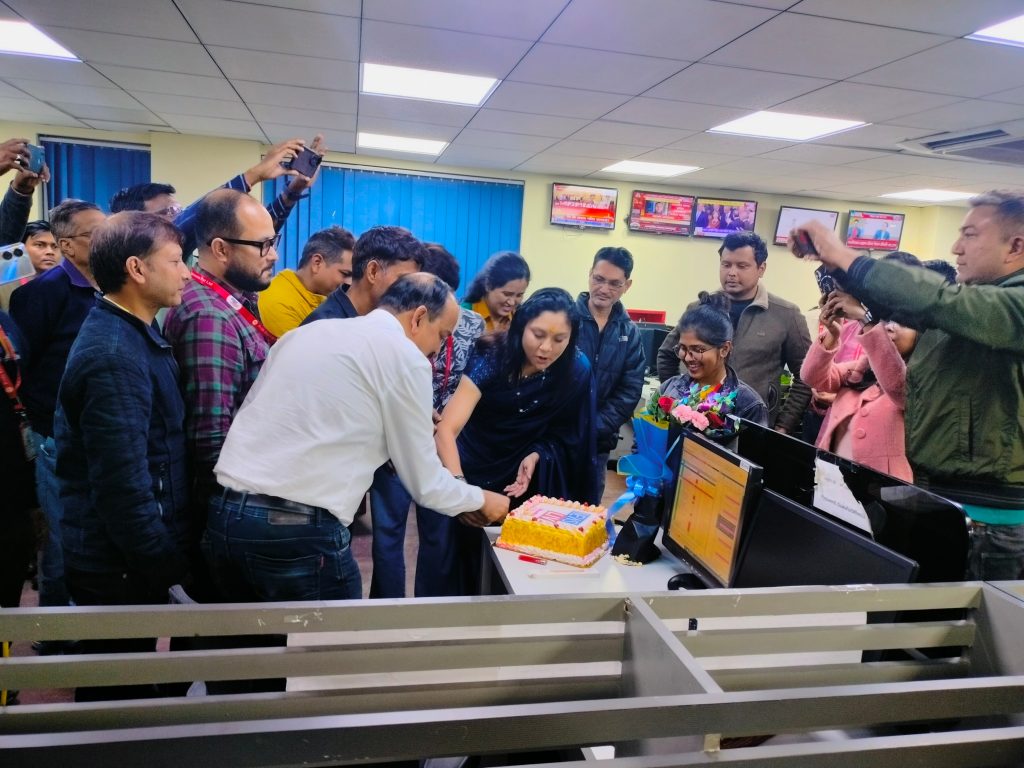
column 700, row 421
column 683, row 413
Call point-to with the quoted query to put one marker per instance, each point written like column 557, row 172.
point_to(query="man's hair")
column 33, row 228
column 440, row 262
column 217, row 215
column 620, row 257
column 134, row 198
column 386, row 246
column 1009, row 209
column 329, row 243
column 417, row 290
column 126, row 234
column 62, row 214
column 943, row 267
column 903, row 257
column 736, row 240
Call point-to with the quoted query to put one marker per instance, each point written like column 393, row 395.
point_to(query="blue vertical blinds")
column 470, row 218
column 92, row 172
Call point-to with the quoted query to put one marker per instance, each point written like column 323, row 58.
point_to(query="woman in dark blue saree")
column 522, row 419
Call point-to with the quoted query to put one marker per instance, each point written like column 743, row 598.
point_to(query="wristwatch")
column 868, row 317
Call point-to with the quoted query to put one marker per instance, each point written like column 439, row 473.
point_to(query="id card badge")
column 28, row 441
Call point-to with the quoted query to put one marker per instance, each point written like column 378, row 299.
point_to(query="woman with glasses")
column 498, row 289
column 710, row 385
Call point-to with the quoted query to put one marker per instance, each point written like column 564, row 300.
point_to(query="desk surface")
column 604, row 576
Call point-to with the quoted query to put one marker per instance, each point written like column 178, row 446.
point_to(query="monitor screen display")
column 790, row 217
column 717, row 217
column 874, row 231
column 788, row 463
column 576, row 206
column 787, row 545
column 661, row 213
column 704, row 524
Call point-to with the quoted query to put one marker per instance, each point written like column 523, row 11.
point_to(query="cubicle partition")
column 397, row 680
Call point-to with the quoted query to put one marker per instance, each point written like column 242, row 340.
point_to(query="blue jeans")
column 264, row 549
column 997, row 552
column 53, row 590
column 436, row 561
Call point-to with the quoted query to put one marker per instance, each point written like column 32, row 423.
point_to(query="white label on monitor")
column 833, row 496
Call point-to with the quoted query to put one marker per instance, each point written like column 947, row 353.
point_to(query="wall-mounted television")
column 661, row 213
column 874, row 231
column 790, row 217
column 576, row 206
column 717, row 217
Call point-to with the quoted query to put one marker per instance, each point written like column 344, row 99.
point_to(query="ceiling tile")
column 725, row 144
column 160, row 19
column 586, row 68
column 9, row 91
column 1011, row 96
column 130, row 51
column 115, row 114
column 867, row 103
column 440, row 49
column 337, row 7
column 307, row 119
column 674, row 114
column 686, row 30
column 958, row 68
column 22, row 108
column 520, row 122
column 554, row 164
column 336, row 140
column 762, row 166
column 821, row 154
column 733, row 87
column 76, row 94
column 108, row 125
column 879, row 135
column 407, row 129
column 295, row 96
column 214, row 126
column 518, row 142
column 51, row 70
column 484, row 157
column 598, row 149
column 807, row 45
column 232, row 109
column 287, row 69
column 524, row 19
column 549, row 100
column 416, row 110
column 964, row 115
column 630, row 133
column 954, row 19
column 907, row 163
column 685, row 157
column 155, row 81
column 265, row 28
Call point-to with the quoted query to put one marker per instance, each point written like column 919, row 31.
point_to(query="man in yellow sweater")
column 326, row 263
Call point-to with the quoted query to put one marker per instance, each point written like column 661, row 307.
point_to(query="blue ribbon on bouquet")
column 638, row 486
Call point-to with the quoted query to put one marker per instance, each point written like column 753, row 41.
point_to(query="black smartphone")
column 802, row 245
column 36, row 158
column 306, row 162
column 826, row 281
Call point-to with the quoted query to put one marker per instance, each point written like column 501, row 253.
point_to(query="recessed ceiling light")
column 638, row 168
column 400, row 144
column 22, row 38
column 782, row 125
column 930, row 195
column 427, row 84
column 1009, row 32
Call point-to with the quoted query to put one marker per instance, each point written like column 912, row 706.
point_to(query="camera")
column 12, row 251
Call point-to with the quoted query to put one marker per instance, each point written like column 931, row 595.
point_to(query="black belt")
column 265, row 500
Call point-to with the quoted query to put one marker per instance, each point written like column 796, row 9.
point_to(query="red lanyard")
column 449, row 343
column 10, row 387
column 235, row 304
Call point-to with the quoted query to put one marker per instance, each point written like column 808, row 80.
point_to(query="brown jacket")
column 772, row 334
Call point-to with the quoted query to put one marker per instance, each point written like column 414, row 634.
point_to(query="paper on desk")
column 833, row 496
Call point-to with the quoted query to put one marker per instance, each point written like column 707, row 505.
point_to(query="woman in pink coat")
column 865, row 423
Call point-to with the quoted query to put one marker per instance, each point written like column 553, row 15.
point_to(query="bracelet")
column 460, row 477
column 868, row 317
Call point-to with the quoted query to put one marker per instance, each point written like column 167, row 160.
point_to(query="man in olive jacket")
column 770, row 332
column 612, row 343
column 965, row 379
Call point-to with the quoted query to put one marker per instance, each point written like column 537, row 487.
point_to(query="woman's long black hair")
column 503, row 267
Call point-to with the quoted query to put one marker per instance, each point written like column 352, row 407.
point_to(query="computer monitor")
column 704, row 524
column 651, row 335
column 788, row 462
column 786, row 544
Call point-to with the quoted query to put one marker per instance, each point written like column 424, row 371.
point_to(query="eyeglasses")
column 86, row 235
column 695, row 351
column 170, row 212
column 263, row 245
column 613, row 284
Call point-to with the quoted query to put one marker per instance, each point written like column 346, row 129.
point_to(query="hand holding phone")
column 305, row 162
column 801, row 244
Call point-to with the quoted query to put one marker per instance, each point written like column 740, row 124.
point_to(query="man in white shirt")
column 334, row 401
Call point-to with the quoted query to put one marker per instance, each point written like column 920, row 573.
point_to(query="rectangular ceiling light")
column 21, row 38
column 400, row 144
column 427, row 84
column 930, row 195
column 785, row 126
column 637, row 168
column 1009, row 32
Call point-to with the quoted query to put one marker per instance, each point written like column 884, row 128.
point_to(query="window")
column 92, row 170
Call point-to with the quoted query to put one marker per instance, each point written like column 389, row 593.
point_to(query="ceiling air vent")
column 993, row 144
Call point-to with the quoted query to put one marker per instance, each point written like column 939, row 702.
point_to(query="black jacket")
column 617, row 357
column 336, row 306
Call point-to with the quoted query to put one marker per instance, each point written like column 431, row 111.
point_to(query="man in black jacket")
column 612, row 343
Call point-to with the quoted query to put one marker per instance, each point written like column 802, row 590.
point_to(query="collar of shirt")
column 74, row 275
